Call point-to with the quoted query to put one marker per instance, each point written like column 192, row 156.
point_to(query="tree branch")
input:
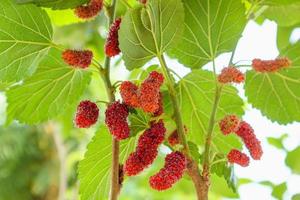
column 193, row 170
column 105, row 74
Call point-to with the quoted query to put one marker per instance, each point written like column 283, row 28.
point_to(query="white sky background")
column 257, row 42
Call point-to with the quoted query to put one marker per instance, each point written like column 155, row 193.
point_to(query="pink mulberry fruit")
column 229, row 124
column 79, row 59
column 112, row 42
column 246, row 132
column 270, row 65
column 86, row 115
column 89, row 11
column 231, row 75
column 173, row 170
column 116, row 120
column 235, row 156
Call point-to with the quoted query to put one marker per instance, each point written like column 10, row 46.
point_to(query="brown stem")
column 105, row 73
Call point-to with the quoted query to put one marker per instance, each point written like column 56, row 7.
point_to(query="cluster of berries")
column 270, row 65
column 90, row 10
column 148, row 97
column 232, row 124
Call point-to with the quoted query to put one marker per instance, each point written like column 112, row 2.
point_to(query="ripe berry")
column 173, row 170
column 112, row 42
column 89, row 11
column 160, row 110
column 173, row 139
column 150, row 92
column 86, row 115
column 231, row 75
column 270, row 65
column 116, row 120
column 229, row 124
column 246, row 133
column 235, row 156
column 129, row 94
column 146, row 150
column 78, row 59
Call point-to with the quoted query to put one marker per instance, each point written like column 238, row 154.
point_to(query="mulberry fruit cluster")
column 78, row 59
column 231, row 75
column 146, row 150
column 86, row 115
column 232, row 123
column 112, row 42
column 229, row 124
column 89, row 11
column 116, row 120
column 173, row 139
column 173, row 170
column 148, row 97
column 235, row 156
column 270, row 65
column 246, row 133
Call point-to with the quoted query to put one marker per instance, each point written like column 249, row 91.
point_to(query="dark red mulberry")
column 150, row 92
column 112, row 42
column 173, row 170
column 116, row 120
column 246, row 132
column 270, row 65
column 231, row 75
column 87, row 114
column 146, row 150
column 173, row 139
column 89, row 11
column 160, row 110
column 80, row 59
column 235, row 156
column 229, row 124
column 129, row 94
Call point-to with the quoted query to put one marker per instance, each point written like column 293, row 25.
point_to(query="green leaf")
column 48, row 92
column 63, row 17
column 279, row 190
column 95, row 169
column 220, row 187
column 211, row 28
column 292, row 160
column 277, row 95
column 289, row 14
column 283, row 37
column 196, row 93
column 25, row 37
column 279, row 2
column 149, row 31
column 277, row 142
column 296, row 197
column 138, row 121
column 54, row 4
column 222, row 169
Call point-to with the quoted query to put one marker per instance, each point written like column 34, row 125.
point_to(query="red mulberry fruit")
column 143, row 1
column 173, row 139
column 80, row 59
column 270, row 65
column 89, row 11
column 173, row 170
column 86, row 115
column 235, row 156
column 231, row 75
column 129, row 94
column 246, row 132
column 160, row 110
column 150, row 92
column 116, row 120
column 112, row 42
column 147, row 149
column 229, row 124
